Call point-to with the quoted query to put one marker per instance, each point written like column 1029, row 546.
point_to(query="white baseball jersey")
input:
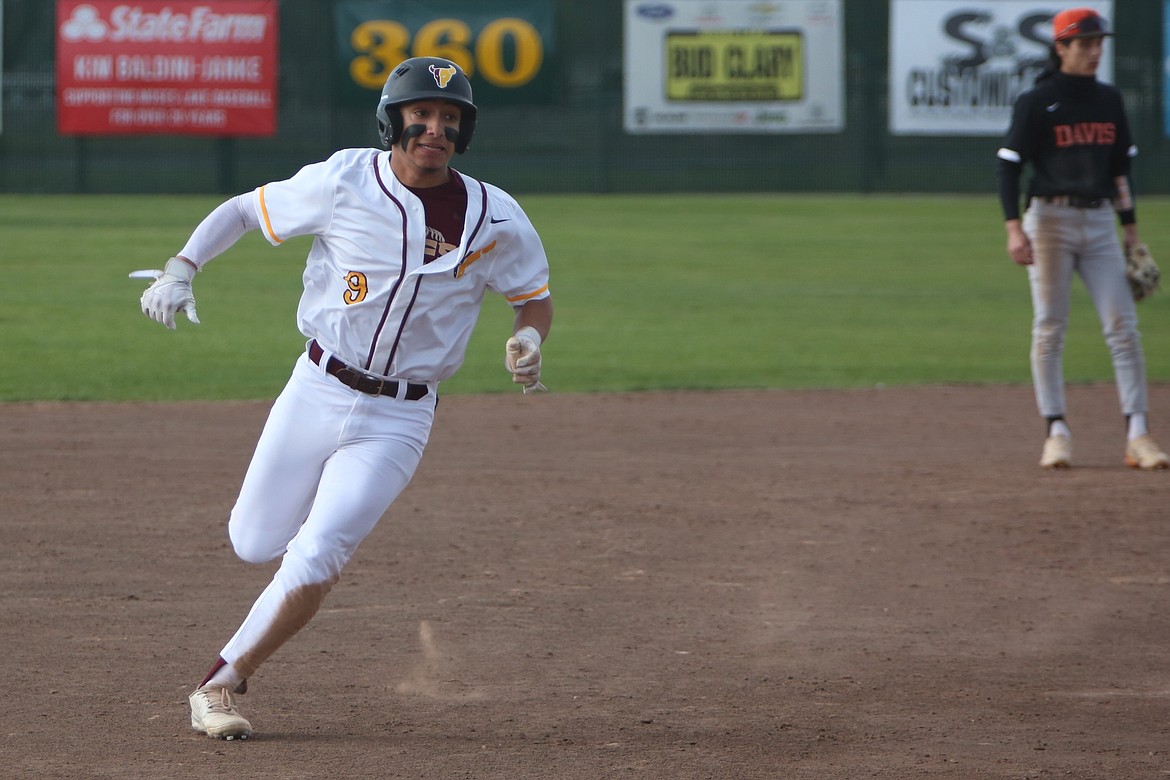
column 369, row 297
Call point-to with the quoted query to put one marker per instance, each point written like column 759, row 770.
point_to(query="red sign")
column 166, row 67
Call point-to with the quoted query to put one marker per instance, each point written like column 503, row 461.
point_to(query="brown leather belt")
column 362, row 382
column 1074, row 201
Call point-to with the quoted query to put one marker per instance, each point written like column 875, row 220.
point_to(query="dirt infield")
column 836, row 584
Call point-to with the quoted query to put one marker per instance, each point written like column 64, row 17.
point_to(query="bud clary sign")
column 699, row 66
column 956, row 68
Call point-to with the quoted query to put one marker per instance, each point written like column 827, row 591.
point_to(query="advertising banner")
column 507, row 49
column 696, row 66
column 956, row 68
column 1, row 66
column 174, row 68
column 1166, row 69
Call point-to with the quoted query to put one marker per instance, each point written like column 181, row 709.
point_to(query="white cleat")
column 214, row 713
column 1144, row 453
column 1057, row 452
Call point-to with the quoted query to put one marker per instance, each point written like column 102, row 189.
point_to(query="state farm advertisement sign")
column 166, row 67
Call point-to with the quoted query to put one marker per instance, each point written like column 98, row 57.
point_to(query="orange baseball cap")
column 1078, row 23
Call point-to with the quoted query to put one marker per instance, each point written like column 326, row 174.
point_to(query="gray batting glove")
column 171, row 292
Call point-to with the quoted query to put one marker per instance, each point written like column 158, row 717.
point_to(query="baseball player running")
column 1074, row 132
column 404, row 248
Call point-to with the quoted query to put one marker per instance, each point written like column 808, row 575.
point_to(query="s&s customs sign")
column 957, row 67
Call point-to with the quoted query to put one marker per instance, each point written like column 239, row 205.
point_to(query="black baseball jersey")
column 1074, row 132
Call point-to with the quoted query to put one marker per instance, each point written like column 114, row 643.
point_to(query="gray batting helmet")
column 425, row 78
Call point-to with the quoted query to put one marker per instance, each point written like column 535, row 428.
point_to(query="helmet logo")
column 442, row 75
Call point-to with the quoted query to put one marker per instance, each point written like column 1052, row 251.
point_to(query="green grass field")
column 651, row 292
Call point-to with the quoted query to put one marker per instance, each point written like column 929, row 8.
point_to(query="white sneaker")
column 1144, row 453
column 213, row 712
column 1057, row 452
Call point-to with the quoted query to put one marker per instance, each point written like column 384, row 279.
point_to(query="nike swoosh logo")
column 1053, row 107
column 498, row 221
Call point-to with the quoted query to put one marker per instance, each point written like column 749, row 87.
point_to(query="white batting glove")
column 522, row 358
column 171, row 292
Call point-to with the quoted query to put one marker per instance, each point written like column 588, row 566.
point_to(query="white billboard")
column 749, row 66
column 956, row 68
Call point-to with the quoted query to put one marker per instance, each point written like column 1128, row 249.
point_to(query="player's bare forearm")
column 535, row 314
column 1124, row 194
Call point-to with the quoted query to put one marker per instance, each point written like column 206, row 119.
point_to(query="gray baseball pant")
column 1065, row 240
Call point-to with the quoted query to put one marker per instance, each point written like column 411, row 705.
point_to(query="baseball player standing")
column 404, row 249
column 1074, row 132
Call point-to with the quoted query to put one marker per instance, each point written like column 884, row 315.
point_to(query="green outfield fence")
column 575, row 143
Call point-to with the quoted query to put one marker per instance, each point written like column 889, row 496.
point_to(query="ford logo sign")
column 655, row 11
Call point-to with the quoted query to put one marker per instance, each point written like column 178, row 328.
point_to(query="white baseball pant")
column 328, row 464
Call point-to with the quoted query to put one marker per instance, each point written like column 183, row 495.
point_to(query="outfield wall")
column 572, row 136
